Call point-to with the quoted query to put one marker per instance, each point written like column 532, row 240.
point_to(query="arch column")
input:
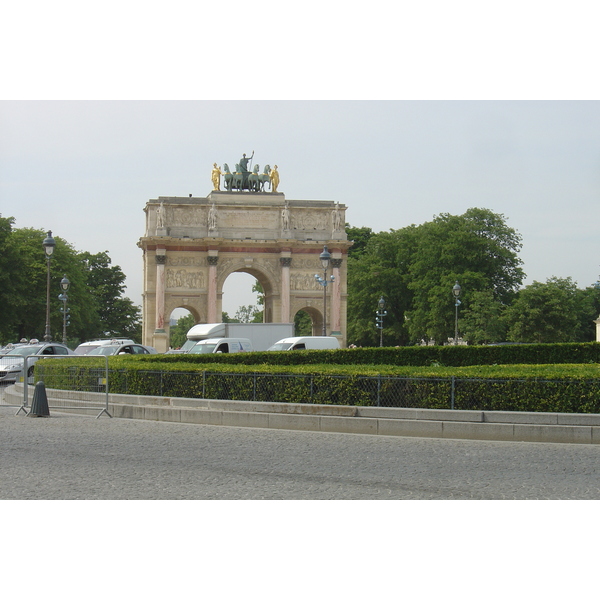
column 159, row 322
column 336, row 298
column 285, row 262
column 159, row 337
column 213, row 260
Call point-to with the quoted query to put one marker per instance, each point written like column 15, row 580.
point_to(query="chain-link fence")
column 440, row 393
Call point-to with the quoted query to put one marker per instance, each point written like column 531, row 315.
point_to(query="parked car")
column 93, row 344
column 113, row 349
column 11, row 363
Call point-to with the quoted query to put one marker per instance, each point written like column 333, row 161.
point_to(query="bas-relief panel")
column 189, row 216
column 248, row 219
column 184, row 278
column 309, row 220
column 304, row 281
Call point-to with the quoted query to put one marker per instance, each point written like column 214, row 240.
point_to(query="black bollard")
column 39, row 405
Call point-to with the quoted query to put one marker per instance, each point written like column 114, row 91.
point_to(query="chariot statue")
column 243, row 179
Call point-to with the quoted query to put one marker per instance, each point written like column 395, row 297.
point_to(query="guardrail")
column 87, row 382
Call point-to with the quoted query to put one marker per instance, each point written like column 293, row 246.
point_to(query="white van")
column 315, row 342
column 224, row 345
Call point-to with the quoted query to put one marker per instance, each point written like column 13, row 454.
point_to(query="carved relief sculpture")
column 212, row 218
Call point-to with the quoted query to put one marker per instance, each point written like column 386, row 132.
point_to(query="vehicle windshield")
column 85, row 349
column 23, row 351
column 189, row 344
column 282, row 346
column 203, row 349
column 103, row 351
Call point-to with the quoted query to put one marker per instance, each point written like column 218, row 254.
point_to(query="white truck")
column 262, row 335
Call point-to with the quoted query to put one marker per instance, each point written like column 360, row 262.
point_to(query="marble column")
column 212, row 289
column 161, row 260
column 285, row 262
column 336, row 298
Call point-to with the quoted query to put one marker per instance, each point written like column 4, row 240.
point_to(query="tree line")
column 416, row 267
column 413, row 269
column 97, row 306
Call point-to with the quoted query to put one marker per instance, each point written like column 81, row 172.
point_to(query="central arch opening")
column 241, row 300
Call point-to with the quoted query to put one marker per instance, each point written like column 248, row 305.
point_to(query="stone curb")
column 471, row 425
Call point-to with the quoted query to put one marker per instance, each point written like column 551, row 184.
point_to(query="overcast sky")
column 523, row 146
column 419, row 110
column 85, row 169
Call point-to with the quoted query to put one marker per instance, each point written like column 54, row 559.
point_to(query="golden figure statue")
column 274, row 175
column 216, row 178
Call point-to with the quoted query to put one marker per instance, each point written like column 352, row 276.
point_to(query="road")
column 69, row 456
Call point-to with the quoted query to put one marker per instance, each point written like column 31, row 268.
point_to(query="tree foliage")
column 95, row 296
column 178, row 334
column 415, row 268
column 548, row 312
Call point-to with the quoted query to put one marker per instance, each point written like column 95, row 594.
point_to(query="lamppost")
column 49, row 245
column 456, row 293
column 64, row 284
column 324, row 257
column 379, row 320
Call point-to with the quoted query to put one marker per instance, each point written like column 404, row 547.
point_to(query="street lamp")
column 324, row 257
column 64, row 284
column 49, row 245
column 456, row 293
column 379, row 320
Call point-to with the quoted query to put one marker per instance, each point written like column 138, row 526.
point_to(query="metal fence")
column 81, row 386
column 446, row 393
column 88, row 386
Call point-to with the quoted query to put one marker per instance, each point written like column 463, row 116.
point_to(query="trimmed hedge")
column 545, row 388
column 417, row 356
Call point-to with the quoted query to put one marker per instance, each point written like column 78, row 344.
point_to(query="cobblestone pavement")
column 70, row 456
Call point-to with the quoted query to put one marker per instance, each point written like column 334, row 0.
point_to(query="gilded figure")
column 274, row 175
column 216, row 178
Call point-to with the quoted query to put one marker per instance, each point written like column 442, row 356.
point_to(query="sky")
column 85, row 169
column 399, row 110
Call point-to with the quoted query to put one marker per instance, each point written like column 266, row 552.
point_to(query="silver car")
column 11, row 363
column 133, row 349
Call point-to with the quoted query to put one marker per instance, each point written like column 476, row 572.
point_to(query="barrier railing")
column 80, row 385
column 384, row 391
column 11, row 372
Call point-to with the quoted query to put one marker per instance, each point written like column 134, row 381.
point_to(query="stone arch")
column 316, row 316
column 192, row 245
column 268, row 282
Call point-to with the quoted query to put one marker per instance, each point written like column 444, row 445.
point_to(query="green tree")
column 9, row 276
column 545, row 312
column 302, row 323
column 31, row 284
column 481, row 321
column 479, row 250
column 588, row 308
column 117, row 315
column 360, row 236
column 415, row 268
column 381, row 270
column 178, row 334
column 247, row 314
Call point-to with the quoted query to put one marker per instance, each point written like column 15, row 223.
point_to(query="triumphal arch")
column 191, row 245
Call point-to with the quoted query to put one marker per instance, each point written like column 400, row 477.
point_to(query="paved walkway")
column 68, row 456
